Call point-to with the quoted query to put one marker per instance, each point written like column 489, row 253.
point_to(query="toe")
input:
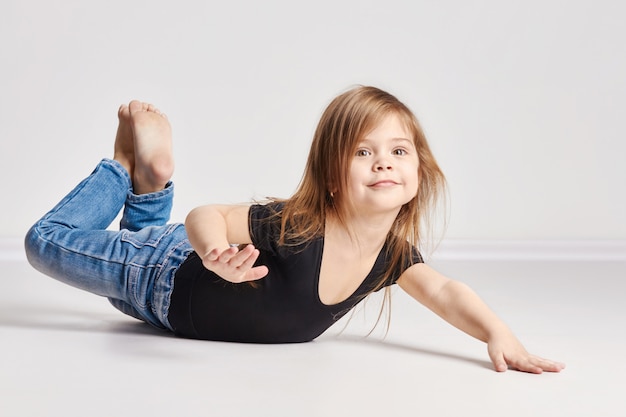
column 135, row 106
column 123, row 112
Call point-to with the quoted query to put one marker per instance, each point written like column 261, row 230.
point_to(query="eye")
column 399, row 151
column 362, row 152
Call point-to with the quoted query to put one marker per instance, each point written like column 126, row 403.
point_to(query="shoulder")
column 270, row 210
column 401, row 255
column 265, row 216
column 264, row 224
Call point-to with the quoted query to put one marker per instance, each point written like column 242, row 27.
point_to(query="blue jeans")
column 133, row 267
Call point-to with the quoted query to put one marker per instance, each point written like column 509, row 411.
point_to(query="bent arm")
column 212, row 230
column 217, row 227
column 460, row 306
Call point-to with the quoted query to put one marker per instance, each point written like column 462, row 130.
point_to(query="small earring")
column 332, row 194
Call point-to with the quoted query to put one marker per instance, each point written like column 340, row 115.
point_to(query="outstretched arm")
column 456, row 303
column 212, row 229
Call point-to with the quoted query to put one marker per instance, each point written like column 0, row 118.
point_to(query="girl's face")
column 383, row 172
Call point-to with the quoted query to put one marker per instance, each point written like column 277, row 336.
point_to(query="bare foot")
column 124, row 150
column 154, row 161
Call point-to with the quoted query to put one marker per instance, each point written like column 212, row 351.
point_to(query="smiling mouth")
column 383, row 184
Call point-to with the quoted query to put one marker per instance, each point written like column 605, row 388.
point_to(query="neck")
column 366, row 231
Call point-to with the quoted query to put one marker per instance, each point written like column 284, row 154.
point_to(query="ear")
column 331, row 187
column 331, row 190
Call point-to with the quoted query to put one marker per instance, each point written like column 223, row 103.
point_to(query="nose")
column 382, row 165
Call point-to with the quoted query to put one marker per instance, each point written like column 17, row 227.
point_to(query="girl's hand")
column 506, row 351
column 235, row 265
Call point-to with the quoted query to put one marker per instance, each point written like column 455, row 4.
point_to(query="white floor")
column 67, row 353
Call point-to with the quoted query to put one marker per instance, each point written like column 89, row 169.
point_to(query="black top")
column 282, row 307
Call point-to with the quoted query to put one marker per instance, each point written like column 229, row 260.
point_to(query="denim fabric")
column 133, row 267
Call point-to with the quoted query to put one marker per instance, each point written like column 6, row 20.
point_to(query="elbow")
column 195, row 216
column 191, row 217
column 202, row 222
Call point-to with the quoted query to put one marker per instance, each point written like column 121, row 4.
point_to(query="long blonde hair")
column 346, row 120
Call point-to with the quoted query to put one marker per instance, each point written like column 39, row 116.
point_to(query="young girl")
column 275, row 273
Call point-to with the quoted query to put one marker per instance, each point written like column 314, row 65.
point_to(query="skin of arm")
column 212, row 230
column 460, row 306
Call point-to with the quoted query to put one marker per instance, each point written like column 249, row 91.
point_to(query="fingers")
column 507, row 352
column 538, row 365
column 498, row 361
column 222, row 256
column 527, row 366
column 526, row 363
column 235, row 265
column 256, row 273
column 246, row 257
column 236, row 258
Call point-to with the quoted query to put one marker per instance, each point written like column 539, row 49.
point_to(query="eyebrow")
column 398, row 139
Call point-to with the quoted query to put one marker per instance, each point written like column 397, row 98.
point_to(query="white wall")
column 523, row 101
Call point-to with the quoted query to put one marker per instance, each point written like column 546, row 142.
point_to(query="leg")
column 124, row 150
column 144, row 146
column 134, row 269
column 154, row 162
column 137, row 277
column 71, row 238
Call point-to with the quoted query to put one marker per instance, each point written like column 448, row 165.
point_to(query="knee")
column 35, row 246
column 32, row 244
